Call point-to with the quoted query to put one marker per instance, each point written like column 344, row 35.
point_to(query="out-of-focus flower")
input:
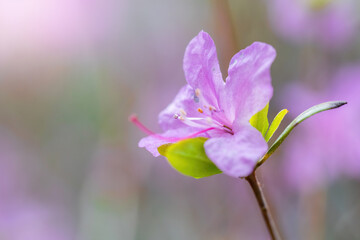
column 209, row 107
column 327, row 147
column 33, row 221
column 48, row 26
column 43, row 43
column 23, row 216
column 329, row 23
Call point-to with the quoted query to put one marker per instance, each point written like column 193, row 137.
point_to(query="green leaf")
column 260, row 120
column 189, row 158
column 275, row 124
column 305, row 115
column 163, row 149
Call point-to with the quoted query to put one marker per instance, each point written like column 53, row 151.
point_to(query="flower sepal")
column 261, row 123
column 189, row 158
column 260, row 120
column 275, row 124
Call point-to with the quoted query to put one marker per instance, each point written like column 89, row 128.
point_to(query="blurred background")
column 72, row 71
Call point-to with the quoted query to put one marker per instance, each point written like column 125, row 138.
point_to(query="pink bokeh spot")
column 327, row 147
column 332, row 26
column 55, row 25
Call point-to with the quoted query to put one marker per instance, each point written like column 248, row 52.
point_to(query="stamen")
column 227, row 127
column 133, row 118
column 196, row 99
column 193, row 122
column 228, row 130
column 200, row 110
column 211, row 108
column 195, row 118
column 197, row 92
column 182, row 112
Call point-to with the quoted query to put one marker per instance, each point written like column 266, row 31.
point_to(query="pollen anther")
column 200, row 110
column 211, row 108
column 182, row 112
column 197, row 92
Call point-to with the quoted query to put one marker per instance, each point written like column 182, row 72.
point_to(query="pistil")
column 133, row 118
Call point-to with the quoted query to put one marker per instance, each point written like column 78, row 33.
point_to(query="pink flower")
column 219, row 110
column 47, row 26
column 329, row 23
column 327, row 148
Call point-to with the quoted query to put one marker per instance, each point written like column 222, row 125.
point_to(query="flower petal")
column 152, row 142
column 183, row 100
column 248, row 87
column 202, row 69
column 236, row 155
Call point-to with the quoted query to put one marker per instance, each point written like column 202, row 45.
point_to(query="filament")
column 133, row 118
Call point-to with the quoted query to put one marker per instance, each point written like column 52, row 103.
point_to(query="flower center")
column 208, row 116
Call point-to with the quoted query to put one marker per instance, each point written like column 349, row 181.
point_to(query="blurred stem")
column 313, row 209
column 269, row 221
column 225, row 32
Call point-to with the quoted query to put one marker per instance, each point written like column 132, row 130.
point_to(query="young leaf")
column 275, row 124
column 260, row 120
column 305, row 115
column 188, row 157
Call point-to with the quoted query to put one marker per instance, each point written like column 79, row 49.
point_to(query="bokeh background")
column 72, row 71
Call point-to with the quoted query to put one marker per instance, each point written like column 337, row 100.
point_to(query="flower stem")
column 270, row 224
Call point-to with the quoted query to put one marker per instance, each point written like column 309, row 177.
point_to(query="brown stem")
column 225, row 33
column 270, row 224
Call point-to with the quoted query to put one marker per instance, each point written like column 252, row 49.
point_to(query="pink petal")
column 202, row 69
column 248, row 87
column 183, row 100
column 236, row 155
column 152, row 142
